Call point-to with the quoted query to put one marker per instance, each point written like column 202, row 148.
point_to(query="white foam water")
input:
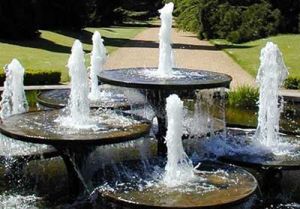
column 179, row 168
column 77, row 112
column 13, row 97
column 165, row 49
column 10, row 201
column 98, row 59
column 271, row 75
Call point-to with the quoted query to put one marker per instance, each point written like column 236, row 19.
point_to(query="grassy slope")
column 51, row 50
column 247, row 54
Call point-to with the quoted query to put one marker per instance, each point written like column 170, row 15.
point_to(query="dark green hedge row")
column 292, row 83
column 237, row 20
column 37, row 78
column 21, row 19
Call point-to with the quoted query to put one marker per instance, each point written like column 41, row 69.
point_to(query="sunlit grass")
column 52, row 49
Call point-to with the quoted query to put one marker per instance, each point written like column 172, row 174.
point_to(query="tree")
column 17, row 19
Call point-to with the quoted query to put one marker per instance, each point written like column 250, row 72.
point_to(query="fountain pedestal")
column 73, row 145
column 184, row 83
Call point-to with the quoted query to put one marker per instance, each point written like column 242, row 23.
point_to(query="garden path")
column 189, row 51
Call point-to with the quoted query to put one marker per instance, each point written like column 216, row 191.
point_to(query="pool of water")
column 43, row 183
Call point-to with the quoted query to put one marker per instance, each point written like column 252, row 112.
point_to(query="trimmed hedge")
column 37, row 78
column 292, row 83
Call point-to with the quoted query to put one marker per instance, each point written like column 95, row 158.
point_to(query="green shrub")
column 257, row 21
column 236, row 21
column 37, row 77
column 244, row 96
column 292, row 83
column 187, row 15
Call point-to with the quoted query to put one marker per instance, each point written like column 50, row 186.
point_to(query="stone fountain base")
column 137, row 184
column 254, row 155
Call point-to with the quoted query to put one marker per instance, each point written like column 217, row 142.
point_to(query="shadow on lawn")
column 232, row 46
column 39, row 43
column 119, row 42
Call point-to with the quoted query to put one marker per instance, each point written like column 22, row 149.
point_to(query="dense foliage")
column 60, row 13
column 244, row 97
column 37, row 77
column 21, row 19
column 292, row 83
column 17, row 19
column 237, row 20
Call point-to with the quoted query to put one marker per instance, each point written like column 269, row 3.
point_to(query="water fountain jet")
column 266, row 147
column 77, row 125
column 176, row 184
column 157, row 87
column 179, row 168
column 13, row 97
column 98, row 59
column 103, row 96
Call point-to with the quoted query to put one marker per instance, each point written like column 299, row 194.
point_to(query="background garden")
column 40, row 32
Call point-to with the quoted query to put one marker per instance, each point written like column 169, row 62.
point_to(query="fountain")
column 266, row 147
column 176, row 178
column 75, row 130
column 165, row 49
column 13, row 97
column 98, row 59
column 177, row 183
column 106, row 96
column 158, row 84
column 14, row 102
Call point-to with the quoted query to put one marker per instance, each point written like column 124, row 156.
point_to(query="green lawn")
column 247, row 54
column 52, row 49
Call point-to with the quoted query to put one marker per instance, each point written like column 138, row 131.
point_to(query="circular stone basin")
column 106, row 127
column 113, row 98
column 257, row 156
column 139, row 186
column 148, row 79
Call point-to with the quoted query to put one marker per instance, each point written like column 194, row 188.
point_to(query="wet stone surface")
column 147, row 79
column 105, row 127
column 111, row 98
column 139, row 185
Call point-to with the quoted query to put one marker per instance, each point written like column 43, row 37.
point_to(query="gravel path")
column 190, row 52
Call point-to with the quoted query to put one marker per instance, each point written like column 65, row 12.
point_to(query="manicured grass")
column 52, row 49
column 247, row 54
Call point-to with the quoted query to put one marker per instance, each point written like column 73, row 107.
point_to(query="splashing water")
column 179, row 168
column 18, row 201
column 270, row 77
column 78, row 108
column 98, row 59
column 13, row 97
column 165, row 48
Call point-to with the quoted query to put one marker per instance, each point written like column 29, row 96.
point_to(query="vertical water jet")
column 179, row 169
column 165, row 48
column 13, row 97
column 98, row 59
column 271, row 75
